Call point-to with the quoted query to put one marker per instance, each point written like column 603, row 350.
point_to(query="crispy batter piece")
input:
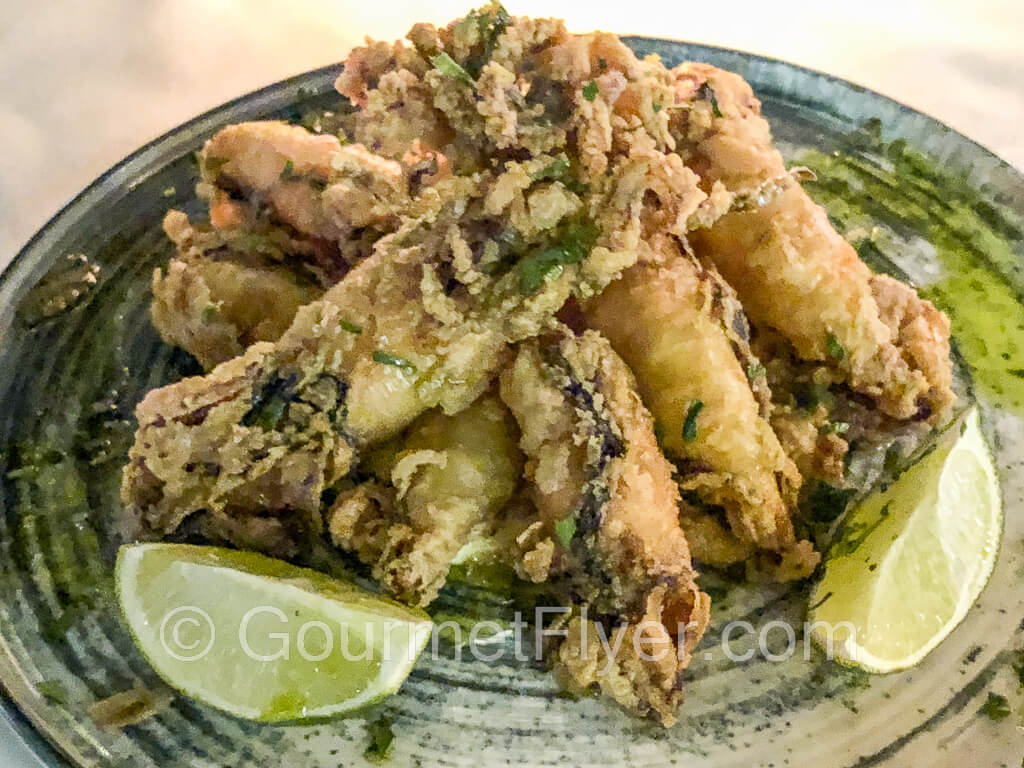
column 665, row 317
column 608, row 507
column 450, row 477
column 483, row 258
column 796, row 275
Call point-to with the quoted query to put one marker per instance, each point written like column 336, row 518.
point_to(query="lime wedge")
column 260, row 638
column 913, row 557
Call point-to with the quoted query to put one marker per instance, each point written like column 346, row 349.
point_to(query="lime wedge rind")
column 912, row 558
column 186, row 609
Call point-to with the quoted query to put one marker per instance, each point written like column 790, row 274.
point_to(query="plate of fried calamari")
column 586, row 349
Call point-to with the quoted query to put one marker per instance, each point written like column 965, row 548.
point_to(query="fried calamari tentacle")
column 792, row 271
column 665, row 319
column 311, row 182
column 722, row 132
column 416, row 325
column 921, row 333
column 796, row 275
column 608, row 507
column 215, row 302
column 452, row 475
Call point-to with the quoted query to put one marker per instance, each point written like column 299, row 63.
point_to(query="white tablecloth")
column 84, row 82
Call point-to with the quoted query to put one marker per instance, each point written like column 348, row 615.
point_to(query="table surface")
column 84, row 84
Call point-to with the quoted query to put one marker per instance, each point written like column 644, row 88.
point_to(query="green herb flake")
column 447, row 66
column 491, row 22
column 856, row 534
column 348, row 325
column 835, row 349
column 834, row 428
column 557, row 169
column 534, row 270
column 690, row 423
column 53, row 691
column 386, row 358
column 820, row 602
column 169, row 192
column 382, row 738
column 590, row 90
column 809, row 395
column 213, row 165
column 576, row 240
column 659, row 433
column 755, row 371
column 707, row 93
column 996, row 707
column 657, row 107
column 1018, row 667
column 269, row 404
column 565, row 529
column 288, row 172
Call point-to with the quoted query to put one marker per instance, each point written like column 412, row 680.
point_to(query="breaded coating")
column 792, row 271
column 217, row 302
column 451, row 476
column 727, row 140
column 607, row 503
column 921, row 333
column 483, row 258
column 665, row 320
column 384, row 319
column 311, row 182
column 796, row 275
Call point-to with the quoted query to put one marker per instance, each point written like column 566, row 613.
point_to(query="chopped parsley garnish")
column 534, row 270
column 381, row 739
column 996, row 707
column 856, row 534
column 755, row 371
column 288, row 172
column 565, row 529
column 690, row 423
column 576, row 241
column 53, row 691
column 556, row 170
column 824, row 503
column 446, row 65
column 820, row 602
column 386, row 358
column 269, row 403
column 809, row 395
column 169, row 192
column 657, row 106
column 213, row 164
column 590, row 90
column 707, row 93
column 351, row 327
column 209, row 314
column 659, row 433
column 490, row 23
column 834, row 428
column 1018, row 667
column 835, row 349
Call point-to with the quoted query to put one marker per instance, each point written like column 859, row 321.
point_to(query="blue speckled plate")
column 948, row 213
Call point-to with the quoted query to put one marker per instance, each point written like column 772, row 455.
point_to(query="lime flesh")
column 912, row 558
column 263, row 639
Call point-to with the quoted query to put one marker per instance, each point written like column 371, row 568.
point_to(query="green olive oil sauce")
column 896, row 206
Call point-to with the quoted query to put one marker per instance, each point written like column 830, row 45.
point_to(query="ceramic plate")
column 74, row 362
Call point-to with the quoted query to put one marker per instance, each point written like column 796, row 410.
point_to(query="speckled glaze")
column 69, row 384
